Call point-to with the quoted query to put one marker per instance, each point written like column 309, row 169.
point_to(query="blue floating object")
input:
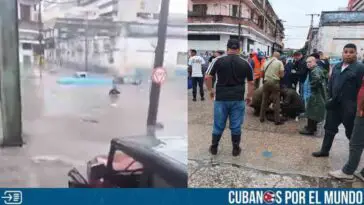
column 84, row 81
column 267, row 154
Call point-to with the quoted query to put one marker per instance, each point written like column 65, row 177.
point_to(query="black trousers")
column 197, row 81
column 335, row 117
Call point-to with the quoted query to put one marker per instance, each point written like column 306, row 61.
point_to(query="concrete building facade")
column 122, row 43
column 337, row 28
column 356, row 5
column 28, row 31
column 211, row 23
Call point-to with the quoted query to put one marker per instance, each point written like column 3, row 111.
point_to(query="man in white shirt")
column 195, row 68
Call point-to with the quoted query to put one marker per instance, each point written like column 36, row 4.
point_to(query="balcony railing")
column 29, row 25
column 258, row 4
column 195, row 18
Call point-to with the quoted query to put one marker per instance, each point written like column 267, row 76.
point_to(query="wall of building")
column 356, row 5
column 212, row 45
column 129, row 53
column 332, row 39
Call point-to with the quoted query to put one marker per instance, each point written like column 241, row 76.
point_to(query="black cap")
column 233, row 44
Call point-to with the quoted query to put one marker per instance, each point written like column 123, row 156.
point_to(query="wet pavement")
column 66, row 125
column 272, row 156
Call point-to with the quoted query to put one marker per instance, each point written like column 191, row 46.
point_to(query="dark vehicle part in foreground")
column 131, row 165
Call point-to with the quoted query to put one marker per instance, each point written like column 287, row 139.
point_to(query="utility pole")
column 86, row 42
column 239, row 27
column 312, row 16
column 158, row 62
column 10, row 75
column 275, row 33
column 40, row 38
column 311, row 26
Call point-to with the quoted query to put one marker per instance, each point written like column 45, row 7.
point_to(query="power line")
column 62, row 2
column 312, row 15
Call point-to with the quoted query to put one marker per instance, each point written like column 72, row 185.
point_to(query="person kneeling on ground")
column 292, row 105
column 316, row 102
column 356, row 144
column 257, row 100
column 273, row 72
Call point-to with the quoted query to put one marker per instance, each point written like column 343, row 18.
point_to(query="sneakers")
column 339, row 174
column 194, row 100
column 320, row 154
column 359, row 176
column 202, row 99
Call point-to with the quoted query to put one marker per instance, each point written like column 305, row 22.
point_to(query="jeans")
column 197, row 81
column 356, row 147
column 235, row 110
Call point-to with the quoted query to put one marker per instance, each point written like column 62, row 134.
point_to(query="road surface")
column 65, row 125
column 290, row 163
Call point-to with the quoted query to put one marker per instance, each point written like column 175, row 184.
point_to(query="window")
column 181, row 58
column 27, row 46
column 200, row 9
column 25, row 12
column 235, row 11
column 204, row 37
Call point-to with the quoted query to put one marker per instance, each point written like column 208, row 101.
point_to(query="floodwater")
column 66, row 125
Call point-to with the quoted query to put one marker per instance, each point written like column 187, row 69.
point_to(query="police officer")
column 344, row 84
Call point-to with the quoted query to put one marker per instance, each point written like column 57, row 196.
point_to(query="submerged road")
column 66, row 125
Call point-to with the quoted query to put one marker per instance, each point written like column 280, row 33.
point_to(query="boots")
column 236, row 145
column 310, row 129
column 215, row 144
column 326, row 145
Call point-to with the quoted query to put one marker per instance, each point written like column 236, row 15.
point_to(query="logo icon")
column 269, row 197
column 13, row 197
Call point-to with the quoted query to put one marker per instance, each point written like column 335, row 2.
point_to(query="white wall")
column 23, row 53
column 140, row 53
column 209, row 45
column 334, row 47
column 130, row 53
column 221, row 45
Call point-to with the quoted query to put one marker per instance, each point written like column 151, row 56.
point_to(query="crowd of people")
column 281, row 88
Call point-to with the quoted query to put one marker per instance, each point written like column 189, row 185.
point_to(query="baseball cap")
column 233, row 44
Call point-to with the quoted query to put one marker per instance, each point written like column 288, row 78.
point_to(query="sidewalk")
column 291, row 163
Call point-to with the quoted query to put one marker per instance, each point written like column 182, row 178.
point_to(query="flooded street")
column 66, row 125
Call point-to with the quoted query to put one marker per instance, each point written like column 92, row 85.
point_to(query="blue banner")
column 179, row 196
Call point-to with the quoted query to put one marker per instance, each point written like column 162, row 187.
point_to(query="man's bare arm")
column 208, row 82
column 250, row 89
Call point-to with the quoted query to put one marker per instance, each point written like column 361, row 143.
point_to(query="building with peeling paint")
column 336, row 29
column 212, row 22
column 120, row 41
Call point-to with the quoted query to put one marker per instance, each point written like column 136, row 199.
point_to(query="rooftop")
column 333, row 18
